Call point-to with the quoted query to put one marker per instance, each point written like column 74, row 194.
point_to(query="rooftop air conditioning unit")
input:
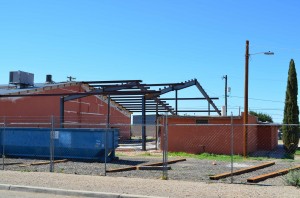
column 23, row 79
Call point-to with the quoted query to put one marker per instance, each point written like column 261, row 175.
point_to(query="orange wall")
column 89, row 110
column 184, row 135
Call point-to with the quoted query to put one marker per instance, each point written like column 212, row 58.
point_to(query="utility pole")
column 225, row 77
column 246, row 100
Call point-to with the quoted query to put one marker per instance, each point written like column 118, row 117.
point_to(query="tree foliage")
column 290, row 128
column 262, row 117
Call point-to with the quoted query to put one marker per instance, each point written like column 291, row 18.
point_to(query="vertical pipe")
column 143, row 123
column 52, row 145
column 156, row 126
column 105, row 151
column 108, row 112
column 231, row 146
column 3, row 142
column 225, row 77
column 176, row 102
column 62, row 110
column 165, row 149
column 208, row 109
column 246, row 100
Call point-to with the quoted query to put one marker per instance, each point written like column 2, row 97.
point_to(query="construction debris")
column 144, row 165
column 241, row 171
column 270, row 175
column 43, row 163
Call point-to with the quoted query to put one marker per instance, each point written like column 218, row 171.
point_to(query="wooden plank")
column 271, row 175
column 43, row 163
column 121, row 169
column 153, row 168
column 241, row 171
column 12, row 163
column 161, row 163
column 136, row 167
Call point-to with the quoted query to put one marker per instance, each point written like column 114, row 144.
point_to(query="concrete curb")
column 78, row 193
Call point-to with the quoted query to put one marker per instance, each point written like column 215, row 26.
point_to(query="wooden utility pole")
column 246, row 100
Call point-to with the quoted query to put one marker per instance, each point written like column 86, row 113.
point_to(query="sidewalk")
column 101, row 186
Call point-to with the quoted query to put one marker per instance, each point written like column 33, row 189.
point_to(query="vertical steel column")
column 156, row 126
column 176, row 102
column 3, row 143
column 52, row 136
column 62, row 110
column 144, row 123
column 108, row 112
column 208, row 109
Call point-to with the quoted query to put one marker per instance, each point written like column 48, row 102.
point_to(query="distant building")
column 86, row 112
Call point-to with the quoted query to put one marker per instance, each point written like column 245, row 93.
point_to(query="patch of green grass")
column 297, row 152
column 208, row 156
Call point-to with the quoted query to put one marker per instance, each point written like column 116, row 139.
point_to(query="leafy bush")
column 293, row 178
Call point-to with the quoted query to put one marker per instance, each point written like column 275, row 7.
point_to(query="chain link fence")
column 175, row 149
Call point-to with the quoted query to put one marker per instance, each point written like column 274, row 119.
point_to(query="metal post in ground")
column 231, row 146
column 165, row 149
column 52, row 134
column 3, row 143
column 105, row 152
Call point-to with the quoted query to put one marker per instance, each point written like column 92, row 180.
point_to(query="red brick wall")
column 90, row 110
column 267, row 137
column 214, row 137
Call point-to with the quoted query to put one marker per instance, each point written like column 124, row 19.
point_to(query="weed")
column 293, row 178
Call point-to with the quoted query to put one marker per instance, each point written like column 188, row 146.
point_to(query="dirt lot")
column 190, row 170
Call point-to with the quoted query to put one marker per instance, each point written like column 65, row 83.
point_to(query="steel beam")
column 144, row 124
column 207, row 97
column 62, row 112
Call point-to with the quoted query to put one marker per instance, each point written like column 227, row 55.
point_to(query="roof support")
column 62, row 112
column 207, row 97
column 108, row 112
column 144, row 123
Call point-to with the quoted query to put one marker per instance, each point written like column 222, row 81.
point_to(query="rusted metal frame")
column 103, row 90
column 84, row 94
column 153, row 96
column 214, row 98
column 203, row 111
column 177, row 87
column 111, row 81
column 207, row 97
column 161, row 84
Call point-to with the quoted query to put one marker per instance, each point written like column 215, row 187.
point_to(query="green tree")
column 290, row 128
column 262, row 117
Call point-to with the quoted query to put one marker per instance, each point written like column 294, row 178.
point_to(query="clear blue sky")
column 157, row 41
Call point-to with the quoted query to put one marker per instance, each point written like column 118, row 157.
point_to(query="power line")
column 259, row 99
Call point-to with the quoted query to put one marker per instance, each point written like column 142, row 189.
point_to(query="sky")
column 157, row 41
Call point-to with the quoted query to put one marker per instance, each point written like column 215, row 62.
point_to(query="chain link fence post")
column 3, row 143
column 105, row 152
column 231, row 146
column 52, row 134
column 165, row 149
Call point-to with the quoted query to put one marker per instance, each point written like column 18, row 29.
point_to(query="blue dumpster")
column 75, row 144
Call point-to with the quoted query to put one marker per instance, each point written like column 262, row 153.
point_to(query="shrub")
column 293, row 178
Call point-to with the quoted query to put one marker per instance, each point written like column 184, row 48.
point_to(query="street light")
column 247, row 55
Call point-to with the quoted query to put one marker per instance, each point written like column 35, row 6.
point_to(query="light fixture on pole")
column 247, row 55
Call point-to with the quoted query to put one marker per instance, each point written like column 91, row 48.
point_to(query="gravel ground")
column 190, row 170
